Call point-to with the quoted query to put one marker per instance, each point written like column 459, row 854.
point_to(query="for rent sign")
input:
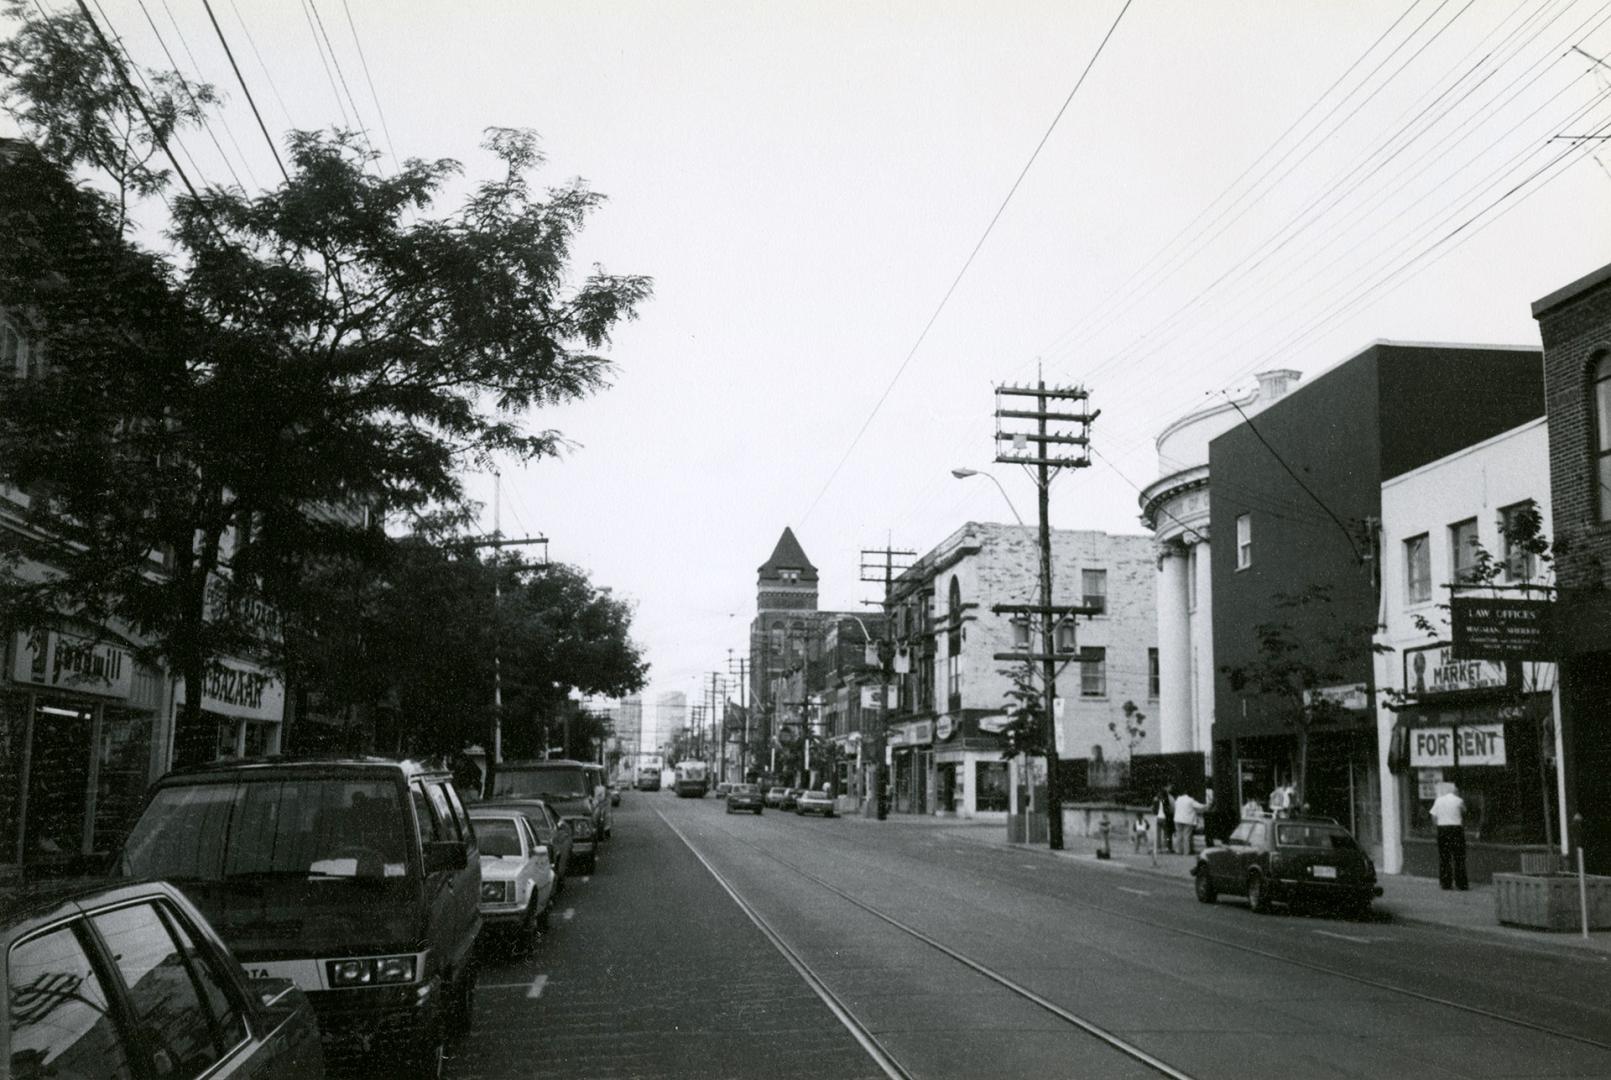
column 1445, row 747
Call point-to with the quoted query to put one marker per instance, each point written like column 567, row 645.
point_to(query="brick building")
column 1575, row 325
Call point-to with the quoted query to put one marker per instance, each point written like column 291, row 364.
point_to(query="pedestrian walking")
column 1449, row 814
column 1188, row 812
column 1163, row 818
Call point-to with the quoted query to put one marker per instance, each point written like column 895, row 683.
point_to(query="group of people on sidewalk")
column 1177, row 817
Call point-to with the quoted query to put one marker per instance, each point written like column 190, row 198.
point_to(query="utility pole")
column 878, row 565
column 738, row 667
column 1039, row 449
column 497, row 543
column 718, row 736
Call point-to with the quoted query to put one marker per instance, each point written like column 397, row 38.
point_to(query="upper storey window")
column 1602, row 434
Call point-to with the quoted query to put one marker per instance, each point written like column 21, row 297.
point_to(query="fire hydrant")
column 1106, row 827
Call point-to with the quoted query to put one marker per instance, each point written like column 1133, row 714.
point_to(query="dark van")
column 574, row 789
column 358, row 879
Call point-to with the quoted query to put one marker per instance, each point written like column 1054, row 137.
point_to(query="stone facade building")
column 1175, row 508
column 946, row 755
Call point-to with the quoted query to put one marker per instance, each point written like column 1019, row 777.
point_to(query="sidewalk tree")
column 1309, row 649
column 342, row 342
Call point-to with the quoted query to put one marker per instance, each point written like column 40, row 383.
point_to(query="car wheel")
column 729, row 809
column 542, row 918
column 1358, row 909
column 757, row 811
column 1258, row 894
column 1205, row 886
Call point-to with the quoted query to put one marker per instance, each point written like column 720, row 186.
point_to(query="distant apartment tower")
column 666, row 717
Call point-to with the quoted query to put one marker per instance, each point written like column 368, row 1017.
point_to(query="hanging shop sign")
column 869, row 696
column 944, row 727
column 1445, row 747
column 1493, row 628
column 1434, row 669
column 72, row 662
column 1350, row 697
column 923, row 732
column 238, row 689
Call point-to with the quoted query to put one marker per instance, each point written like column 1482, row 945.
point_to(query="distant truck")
column 692, row 780
column 648, row 778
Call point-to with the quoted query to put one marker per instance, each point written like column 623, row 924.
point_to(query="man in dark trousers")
column 1449, row 814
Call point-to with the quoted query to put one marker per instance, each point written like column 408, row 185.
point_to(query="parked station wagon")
column 1289, row 860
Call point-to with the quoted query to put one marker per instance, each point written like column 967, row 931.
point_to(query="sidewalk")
column 1405, row 899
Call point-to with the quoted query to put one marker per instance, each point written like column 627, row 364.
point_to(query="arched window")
column 777, row 640
column 1602, row 433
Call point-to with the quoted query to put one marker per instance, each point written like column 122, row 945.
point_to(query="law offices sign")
column 1501, row 628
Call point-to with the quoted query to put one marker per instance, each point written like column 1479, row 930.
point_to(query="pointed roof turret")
column 788, row 555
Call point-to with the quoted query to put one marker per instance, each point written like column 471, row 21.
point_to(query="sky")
column 1235, row 186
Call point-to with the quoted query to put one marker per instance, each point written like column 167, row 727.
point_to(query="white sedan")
column 517, row 880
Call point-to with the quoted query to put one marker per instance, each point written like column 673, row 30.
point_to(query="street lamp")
column 963, row 474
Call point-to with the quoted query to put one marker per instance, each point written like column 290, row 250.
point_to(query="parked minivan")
column 574, row 789
column 357, row 879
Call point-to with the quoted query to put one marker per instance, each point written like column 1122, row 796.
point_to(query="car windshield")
column 744, row 789
column 497, row 836
column 571, row 783
column 271, row 827
column 1315, row 836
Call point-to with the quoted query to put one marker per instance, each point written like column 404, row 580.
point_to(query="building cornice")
column 1158, row 492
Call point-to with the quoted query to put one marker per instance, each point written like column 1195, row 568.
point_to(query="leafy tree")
column 554, row 633
column 1025, row 731
column 1296, row 656
column 338, row 342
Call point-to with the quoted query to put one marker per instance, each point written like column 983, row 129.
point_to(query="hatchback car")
column 113, row 979
column 745, row 797
column 517, row 879
column 1289, row 860
column 357, row 879
column 812, row 801
column 774, row 796
column 551, row 830
column 789, row 798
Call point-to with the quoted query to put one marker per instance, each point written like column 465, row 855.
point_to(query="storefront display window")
column 123, row 762
column 58, row 788
column 990, row 786
column 13, row 745
column 1505, row 803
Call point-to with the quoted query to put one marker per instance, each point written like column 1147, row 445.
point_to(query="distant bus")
column 692, row 781
column 648, row 778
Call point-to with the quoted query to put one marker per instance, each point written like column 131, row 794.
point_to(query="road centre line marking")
column 1138, row 892
column 537, row 985
column 1346, row 937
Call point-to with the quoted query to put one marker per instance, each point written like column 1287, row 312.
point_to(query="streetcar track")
column 1363, row 980
column 885, row 1061
column 1113, row 1041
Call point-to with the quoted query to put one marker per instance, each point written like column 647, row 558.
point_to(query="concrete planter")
column 1550, row 901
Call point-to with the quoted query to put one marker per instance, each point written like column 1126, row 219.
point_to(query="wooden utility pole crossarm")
column 1030, row 448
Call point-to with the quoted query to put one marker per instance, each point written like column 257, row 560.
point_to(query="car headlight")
column 495, row 892
column 371, row 971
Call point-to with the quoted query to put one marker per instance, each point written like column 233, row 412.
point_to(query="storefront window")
column 124, row 760
column 58, row 790
column 13, row 743
column 990, row 785
column 1505, row 804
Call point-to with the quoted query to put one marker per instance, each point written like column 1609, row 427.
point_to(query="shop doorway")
column 59, row 766
column 948, row 787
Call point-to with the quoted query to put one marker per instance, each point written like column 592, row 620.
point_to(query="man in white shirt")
column 1187, row 814
column 1449, row 814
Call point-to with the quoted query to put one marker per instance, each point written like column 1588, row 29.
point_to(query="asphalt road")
column 716, row 946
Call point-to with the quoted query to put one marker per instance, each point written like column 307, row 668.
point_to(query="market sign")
column 1434, row 669
column 1443, row 747
column 1491, row 628
column 71, row 662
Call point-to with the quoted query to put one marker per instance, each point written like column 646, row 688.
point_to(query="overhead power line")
column 374, row 96
column 184, row 84
column 357, row 116
column 879, row 404
column 247, row 90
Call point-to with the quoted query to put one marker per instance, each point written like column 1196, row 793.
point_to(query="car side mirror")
column 541, row 852
column 446, row 855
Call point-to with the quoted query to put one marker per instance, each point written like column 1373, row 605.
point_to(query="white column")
column 1202, row 640
column 1174, row 656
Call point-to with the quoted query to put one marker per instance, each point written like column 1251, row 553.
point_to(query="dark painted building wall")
column 1385, row 411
